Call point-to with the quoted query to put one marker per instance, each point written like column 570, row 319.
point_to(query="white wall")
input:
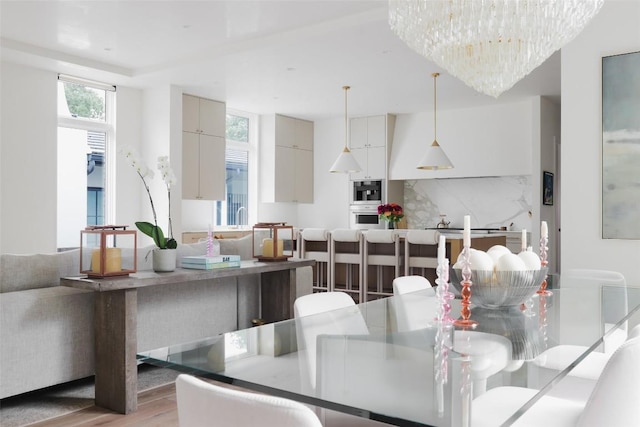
column 485, row 141
column 28, row 146
column 615, row 30
column 28, row 171
column 331, row 190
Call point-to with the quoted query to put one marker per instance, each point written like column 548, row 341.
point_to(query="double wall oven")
column 365, row 197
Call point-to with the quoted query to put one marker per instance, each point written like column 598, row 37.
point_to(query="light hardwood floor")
column 156, row 407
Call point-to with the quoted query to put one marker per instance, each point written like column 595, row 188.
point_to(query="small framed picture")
column 547, row 188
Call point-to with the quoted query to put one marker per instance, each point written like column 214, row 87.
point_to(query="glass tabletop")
column 366, row 361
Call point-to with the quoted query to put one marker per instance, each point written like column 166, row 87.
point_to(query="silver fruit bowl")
column 497, row 289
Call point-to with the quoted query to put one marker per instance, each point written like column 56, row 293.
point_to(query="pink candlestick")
column 543, row 257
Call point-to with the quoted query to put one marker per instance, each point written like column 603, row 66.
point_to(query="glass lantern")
column 272, row 241
column 108, row 250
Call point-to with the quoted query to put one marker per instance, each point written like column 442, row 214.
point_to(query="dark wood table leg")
column 278, row 292
column 115, row 347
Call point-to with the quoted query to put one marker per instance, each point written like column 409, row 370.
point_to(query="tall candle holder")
column 543, row 261
column 209, row 243
column 466, row 283
column 443, row 333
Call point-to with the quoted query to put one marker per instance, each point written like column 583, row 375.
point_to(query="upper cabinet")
column 371, row 139
column 286, row 159
column 203, row 148
column 200, row 115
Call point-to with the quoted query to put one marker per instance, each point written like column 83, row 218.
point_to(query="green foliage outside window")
column 237, row 128
column 84, row 102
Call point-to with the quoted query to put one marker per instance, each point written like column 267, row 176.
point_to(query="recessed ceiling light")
column 107, row 49
column 291, row 69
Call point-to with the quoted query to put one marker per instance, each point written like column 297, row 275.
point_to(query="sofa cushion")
column 21, row 272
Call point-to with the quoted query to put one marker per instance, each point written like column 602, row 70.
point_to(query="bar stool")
column 381, row 249
column 421, row 252
column 346, row 263
column 314, row 244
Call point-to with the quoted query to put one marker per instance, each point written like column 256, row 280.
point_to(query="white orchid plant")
column 169, row 178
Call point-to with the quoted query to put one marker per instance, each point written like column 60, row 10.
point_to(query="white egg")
column 496, row 251
column 510, row 262
column 531, row 260
column 479, row 260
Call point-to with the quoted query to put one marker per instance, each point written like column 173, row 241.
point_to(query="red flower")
column 391, row 212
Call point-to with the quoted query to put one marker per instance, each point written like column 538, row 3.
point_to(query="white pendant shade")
column 435, row 159
column 345, row 163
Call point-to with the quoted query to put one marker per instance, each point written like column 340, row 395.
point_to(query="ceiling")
column 269, row 56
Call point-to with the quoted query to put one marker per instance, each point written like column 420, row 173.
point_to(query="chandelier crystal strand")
column 489, row 44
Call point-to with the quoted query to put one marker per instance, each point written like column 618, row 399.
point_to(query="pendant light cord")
column 435, row 108
column 346, row 122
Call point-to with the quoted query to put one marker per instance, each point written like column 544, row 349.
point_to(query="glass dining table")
column 423, row 375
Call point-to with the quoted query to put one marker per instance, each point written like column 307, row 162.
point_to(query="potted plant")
column 164, row 255
column 391, row 212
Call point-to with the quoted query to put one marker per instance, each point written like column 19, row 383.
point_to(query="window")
column 240, row 143
column 85, row 135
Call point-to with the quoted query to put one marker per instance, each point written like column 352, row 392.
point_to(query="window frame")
column 107, row 127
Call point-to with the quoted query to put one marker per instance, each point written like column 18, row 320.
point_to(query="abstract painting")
column 621, row 146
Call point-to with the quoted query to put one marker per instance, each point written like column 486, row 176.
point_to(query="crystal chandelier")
column 489, row 44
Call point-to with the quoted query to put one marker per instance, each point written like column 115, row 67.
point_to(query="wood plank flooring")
column 156, row 407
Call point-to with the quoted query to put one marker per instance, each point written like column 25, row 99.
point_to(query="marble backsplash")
column 491, row 202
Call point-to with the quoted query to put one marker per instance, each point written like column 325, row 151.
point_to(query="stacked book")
column 203, row 262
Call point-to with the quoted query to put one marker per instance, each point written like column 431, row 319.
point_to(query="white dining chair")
column 323, row 313
column 580, row 329
column 204, row 404
column 613, row 401
column 414, row 302
column 415, row 305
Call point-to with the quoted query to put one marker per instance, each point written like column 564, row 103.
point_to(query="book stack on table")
column 203, row 262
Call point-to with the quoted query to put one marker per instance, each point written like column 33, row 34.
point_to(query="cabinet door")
column 190, row 114
column 377, row 131
column 303, row 179
column 376, row 162
column 358, row 132
column 212, row 167
column 190, row 165
column 284, row 174
column 304, row 135
column 285, row 131
column 213, row 116
column 360, row 154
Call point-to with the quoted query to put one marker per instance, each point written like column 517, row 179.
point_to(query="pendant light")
column 345, row 162
column 435, row 158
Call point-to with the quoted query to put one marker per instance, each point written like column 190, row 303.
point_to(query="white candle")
column 466, row 234
column 441, row 249
column 524, row 240
column 544, row 231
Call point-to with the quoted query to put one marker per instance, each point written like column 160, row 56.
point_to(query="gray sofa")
column 46, row 330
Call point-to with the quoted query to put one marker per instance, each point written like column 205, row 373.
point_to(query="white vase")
column 164, row 259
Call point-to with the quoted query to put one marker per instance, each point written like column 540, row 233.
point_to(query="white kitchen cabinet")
column 369, row 146
column 286, row 159
column 203, row 149
column 202, row 178
column 201, row 115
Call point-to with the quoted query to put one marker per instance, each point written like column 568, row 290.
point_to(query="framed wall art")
column 621, row 146
column 547, row 188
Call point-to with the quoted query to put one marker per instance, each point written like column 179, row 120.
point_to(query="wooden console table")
column 116, row 378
